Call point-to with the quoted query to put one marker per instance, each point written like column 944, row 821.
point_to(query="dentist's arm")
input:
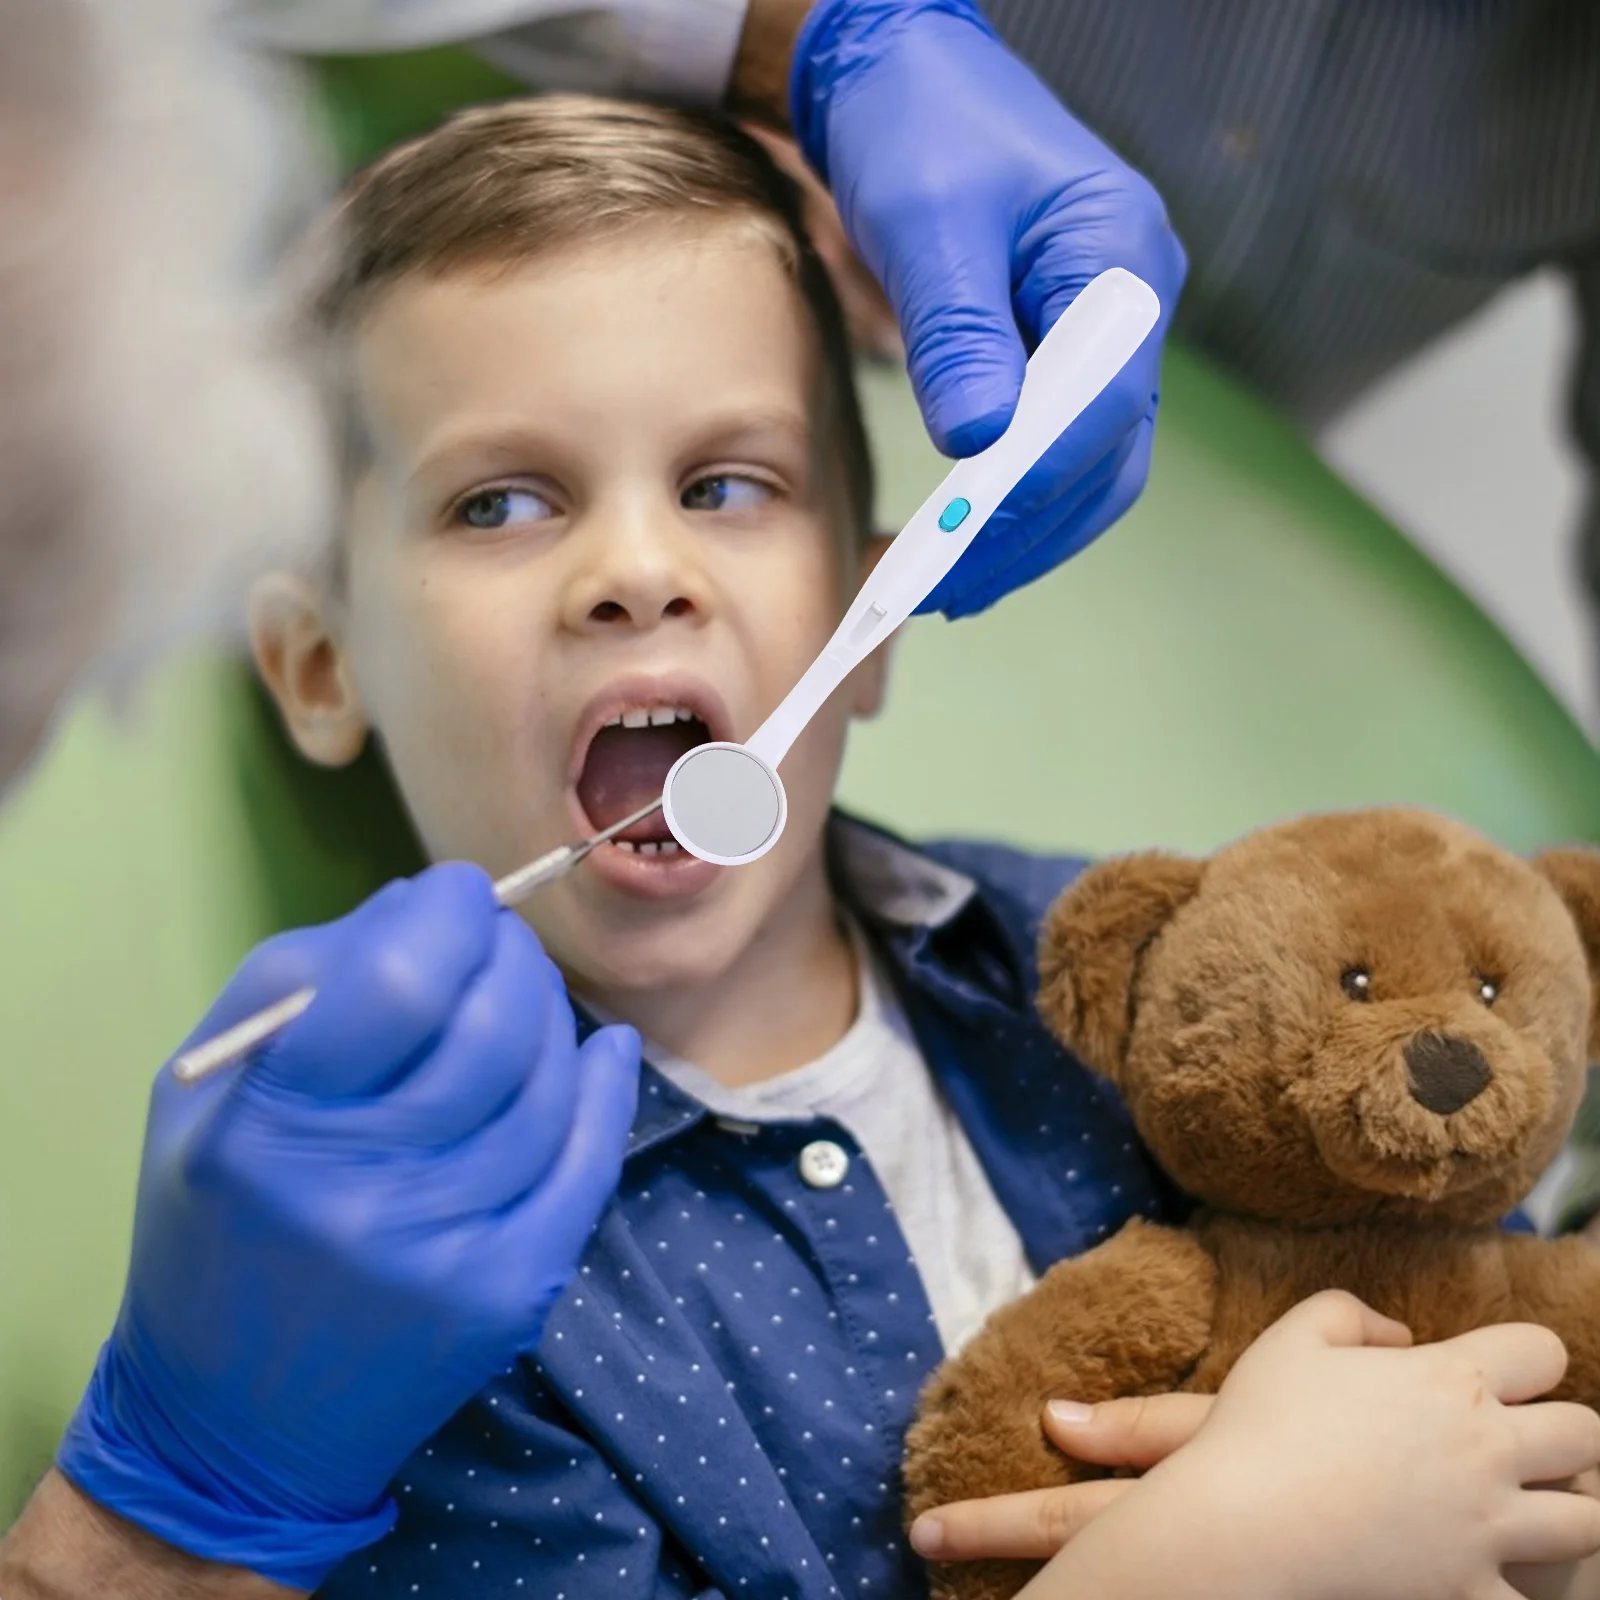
column 759, row 86
column 65, row 1547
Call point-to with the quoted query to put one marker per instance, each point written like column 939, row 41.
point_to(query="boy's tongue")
column 626, row 768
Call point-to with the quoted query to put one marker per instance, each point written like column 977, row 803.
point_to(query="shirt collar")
column 889, row 882
column 924, row 909
column 958, row 939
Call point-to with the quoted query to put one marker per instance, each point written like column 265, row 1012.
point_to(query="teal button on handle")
column 954, row 514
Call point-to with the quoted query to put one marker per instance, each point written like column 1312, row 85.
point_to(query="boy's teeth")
column 654, row 717
column 648, row 847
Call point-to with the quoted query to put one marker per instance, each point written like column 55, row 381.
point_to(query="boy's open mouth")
column 626, row 764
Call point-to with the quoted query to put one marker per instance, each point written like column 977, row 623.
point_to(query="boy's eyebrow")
column 745, row 426
column 479, row 444
column 749, row 423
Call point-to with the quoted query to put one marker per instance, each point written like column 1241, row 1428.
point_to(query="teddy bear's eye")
column 1488, row 989
column 1356, row 982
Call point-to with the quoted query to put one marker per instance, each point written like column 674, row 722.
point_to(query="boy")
column 609, row 492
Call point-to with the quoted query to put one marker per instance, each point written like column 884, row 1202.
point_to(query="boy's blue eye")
column 503, row 508
column 725, row 492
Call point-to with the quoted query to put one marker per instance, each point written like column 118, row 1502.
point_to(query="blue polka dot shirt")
column 720, row 1401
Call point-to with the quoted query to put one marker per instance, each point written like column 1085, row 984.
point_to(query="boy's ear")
column 870, row 681
column 306, row 671
column 1091, row 945
column 1576, row 875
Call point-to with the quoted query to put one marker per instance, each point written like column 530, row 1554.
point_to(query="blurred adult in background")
column 154, row 433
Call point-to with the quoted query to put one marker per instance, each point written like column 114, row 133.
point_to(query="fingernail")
column 1069, row 1413
column 927, row 1536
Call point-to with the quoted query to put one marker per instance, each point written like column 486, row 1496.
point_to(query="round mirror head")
column 724, row 804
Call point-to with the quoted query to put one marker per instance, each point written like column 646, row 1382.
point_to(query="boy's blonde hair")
column 498, row 186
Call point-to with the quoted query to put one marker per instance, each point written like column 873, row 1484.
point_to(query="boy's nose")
column 618, row 611
column 634, row 573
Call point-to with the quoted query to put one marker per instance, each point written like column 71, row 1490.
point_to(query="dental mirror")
column 724, row 802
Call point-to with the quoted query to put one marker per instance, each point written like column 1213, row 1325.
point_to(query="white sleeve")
column 680, row 49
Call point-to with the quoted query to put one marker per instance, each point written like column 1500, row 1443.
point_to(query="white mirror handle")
column 1091, row 342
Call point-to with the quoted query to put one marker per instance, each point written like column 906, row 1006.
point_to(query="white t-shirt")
column 875, row 1083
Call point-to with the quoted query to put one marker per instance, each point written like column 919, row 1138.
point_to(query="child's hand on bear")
column 1446, row 1441
column 1397, row 1471
column 1347, row 1463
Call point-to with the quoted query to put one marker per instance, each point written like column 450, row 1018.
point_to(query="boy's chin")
column 683, row 954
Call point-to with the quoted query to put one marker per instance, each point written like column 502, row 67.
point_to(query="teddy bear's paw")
column 969, row 1445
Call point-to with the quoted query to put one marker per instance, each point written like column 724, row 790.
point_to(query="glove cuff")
column 840, row 38
column 103, row 1458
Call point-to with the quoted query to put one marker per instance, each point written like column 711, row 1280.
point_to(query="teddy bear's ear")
column 1576, row 875
column 1091, row 943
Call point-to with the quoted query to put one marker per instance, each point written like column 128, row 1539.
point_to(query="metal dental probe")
column 224, row 1048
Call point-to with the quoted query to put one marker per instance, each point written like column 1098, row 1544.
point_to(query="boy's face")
column 591, row 496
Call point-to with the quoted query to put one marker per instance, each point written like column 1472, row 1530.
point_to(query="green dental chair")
column 1252, row 642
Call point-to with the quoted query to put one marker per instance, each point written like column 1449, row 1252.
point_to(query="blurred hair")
column 160, row 437
column 499, row 186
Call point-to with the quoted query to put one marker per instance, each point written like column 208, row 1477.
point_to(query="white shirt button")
column 823, row 1164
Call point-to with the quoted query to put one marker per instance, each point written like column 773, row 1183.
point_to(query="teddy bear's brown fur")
column 1301, row 1029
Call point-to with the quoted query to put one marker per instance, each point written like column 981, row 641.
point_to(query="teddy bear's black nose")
column 1445, row 1073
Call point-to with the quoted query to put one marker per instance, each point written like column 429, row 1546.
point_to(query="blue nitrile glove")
column 980, row 204
column 340, row 1242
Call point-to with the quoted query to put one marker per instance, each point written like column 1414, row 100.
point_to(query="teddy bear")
column 1355, row 1041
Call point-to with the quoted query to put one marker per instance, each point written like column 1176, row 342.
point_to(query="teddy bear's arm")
column 1556, row 1282
column 1132, row 1316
